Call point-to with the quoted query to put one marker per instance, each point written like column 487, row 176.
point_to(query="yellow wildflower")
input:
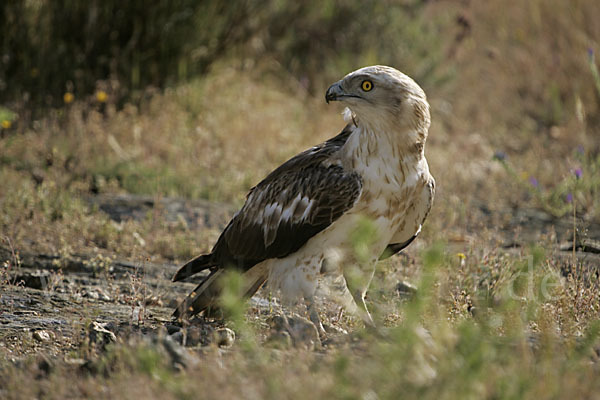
column 101, row 96
column 68, row 97
column 461, row 256
column 6, row 124
column 524, row 175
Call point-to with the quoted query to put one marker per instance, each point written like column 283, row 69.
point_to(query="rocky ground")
column 72, row 306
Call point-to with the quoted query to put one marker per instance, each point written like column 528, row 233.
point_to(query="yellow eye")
column 366, row 85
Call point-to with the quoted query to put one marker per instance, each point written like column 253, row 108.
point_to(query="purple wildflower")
column 533, row 182
column 569, row 198
column 578, row 173
column 580, row 149
column 591, row 54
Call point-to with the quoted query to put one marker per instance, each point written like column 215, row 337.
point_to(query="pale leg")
column 358, row 282
column 313, row 314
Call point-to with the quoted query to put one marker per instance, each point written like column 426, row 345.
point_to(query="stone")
column 181, row 358
column 100, row 335
column 224, row 337
column 42, row 336
column 177, row 337
column 406, row 289
column 303, row 332
column 194, row 336
column 279, row 340
column 36, row 280
column 171, row 329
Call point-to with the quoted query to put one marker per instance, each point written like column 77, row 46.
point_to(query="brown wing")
column 292, row 204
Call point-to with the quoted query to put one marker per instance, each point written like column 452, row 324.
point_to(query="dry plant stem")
column 15, row 258
column 574, row 233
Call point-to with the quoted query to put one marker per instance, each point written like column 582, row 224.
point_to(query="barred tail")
column 194, row 266
column 206, row 295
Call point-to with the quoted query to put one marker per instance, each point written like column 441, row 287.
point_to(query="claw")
column 313, row 314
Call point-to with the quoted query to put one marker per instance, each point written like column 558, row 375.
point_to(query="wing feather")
column 292, row 204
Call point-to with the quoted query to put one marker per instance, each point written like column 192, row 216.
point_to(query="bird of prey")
column 297, row 223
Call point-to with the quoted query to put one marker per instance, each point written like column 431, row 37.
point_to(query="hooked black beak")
column 334, row 92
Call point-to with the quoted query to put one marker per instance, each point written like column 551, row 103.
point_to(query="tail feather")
column 194, row 266
column 201, row 298
column 206, row 294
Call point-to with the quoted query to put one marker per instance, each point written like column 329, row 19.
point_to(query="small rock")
column 112, row 326
column 180, row 356
column 194, row 335
column 154, row 301
column 177, row 337
column 278, row 323
column 77, row 298
column 171, row 329
column 35, row 280
column 77, row 362
column 406, row 289
column 100, row 335
column 26, row 312
column 91, row 295
column 42, row 336
column 224, row 337
column 302, row 332
column 279, row 340
column 103, row 296
column 334, row 329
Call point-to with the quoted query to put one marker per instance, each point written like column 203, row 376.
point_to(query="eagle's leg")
column 358, row 282
column 313, row 314
column 359, row 299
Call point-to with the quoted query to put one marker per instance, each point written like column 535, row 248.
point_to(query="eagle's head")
column 383, row 98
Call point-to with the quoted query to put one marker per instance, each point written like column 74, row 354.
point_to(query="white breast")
column 395, row 199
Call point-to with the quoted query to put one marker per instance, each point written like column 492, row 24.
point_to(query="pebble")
column 92, row 295
column 42, row 336
column 100, row 334
column 181, row 358
column 177, row 337
column 303, row 333
column 224, row 337
column 194, row 335
column 171, row 329
column 279, row 340
column 35, row 280
column 406, row 289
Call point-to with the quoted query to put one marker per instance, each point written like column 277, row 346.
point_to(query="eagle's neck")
column 369, row 143
column 387, row 161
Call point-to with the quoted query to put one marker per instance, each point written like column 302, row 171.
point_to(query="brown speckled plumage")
column 300, row 217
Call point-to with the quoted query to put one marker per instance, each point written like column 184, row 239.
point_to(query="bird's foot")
column 320, row 329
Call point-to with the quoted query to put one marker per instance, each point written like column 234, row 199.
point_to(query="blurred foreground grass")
column 511, row 342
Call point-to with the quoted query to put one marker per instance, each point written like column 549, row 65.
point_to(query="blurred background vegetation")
column 527, row 63
column 50, row 48
column 53, row 47
column 100, row 83
column 200, row 99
